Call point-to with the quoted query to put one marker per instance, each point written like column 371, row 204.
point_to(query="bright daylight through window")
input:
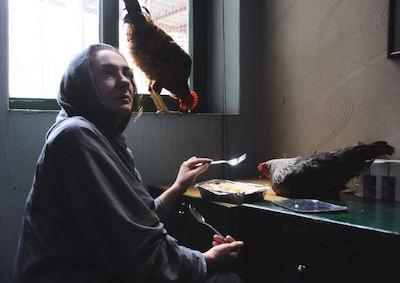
column 44, row 35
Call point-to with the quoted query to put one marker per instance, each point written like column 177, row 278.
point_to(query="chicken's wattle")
column 190, row 102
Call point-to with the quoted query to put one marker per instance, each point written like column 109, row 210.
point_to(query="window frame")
column 393, row 51
column 109, row 33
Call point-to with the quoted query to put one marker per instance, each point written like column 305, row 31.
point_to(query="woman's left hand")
column 218, row 240
column 190, row 170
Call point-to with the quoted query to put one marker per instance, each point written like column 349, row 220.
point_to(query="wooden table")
column 360, row 245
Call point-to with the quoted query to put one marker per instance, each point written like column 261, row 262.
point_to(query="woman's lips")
column 124, row 96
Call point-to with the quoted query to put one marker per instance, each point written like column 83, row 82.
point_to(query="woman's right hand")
column 189, row 171
column 224, row 252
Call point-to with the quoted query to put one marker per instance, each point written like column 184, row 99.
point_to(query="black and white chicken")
column 321, row 175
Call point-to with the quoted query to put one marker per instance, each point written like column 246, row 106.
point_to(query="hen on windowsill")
column 163, row 61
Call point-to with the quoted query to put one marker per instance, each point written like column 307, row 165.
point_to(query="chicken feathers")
column 163, row 61
column 323, row 174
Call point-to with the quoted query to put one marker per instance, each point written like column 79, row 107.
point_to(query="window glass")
column 172, row 16
column 44, row 35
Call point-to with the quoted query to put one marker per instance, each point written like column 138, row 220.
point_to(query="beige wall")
column 326, row 81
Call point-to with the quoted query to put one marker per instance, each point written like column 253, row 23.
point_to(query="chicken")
column 322, row 175
column 162, row 60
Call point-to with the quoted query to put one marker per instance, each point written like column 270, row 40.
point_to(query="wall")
column 326, row 81
column 160, row 143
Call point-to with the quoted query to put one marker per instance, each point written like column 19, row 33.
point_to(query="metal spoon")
column 231, row 162
column 202, row 220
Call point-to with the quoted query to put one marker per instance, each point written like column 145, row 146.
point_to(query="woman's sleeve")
column 106, row 214
column 161, row 211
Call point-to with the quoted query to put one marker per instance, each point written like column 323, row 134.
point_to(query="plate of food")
column 221, row 190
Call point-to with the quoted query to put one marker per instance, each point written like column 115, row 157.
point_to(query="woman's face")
column 114, row 81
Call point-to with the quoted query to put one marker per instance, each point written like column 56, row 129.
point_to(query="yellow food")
column 231, row 187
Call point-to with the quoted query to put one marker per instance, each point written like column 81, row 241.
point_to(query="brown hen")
column 163, row 61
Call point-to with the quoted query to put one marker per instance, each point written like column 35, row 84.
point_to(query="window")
column 213, row 31
column 58, row 29
column 44, row 35
column 394, row 29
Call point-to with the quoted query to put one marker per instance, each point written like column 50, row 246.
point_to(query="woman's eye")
column 129, row 74
column 107, row 73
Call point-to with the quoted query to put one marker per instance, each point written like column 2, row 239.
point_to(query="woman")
column 88, row 217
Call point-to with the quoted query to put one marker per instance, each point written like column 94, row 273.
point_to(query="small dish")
column 221, row 190
column 309, row 205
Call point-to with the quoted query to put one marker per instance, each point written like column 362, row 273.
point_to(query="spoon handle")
column 218, row 162
column 215, row 230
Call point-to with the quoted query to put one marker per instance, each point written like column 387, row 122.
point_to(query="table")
column 360, row 245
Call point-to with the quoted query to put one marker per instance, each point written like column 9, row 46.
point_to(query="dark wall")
column 159, row 143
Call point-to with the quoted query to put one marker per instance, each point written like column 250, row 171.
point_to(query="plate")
column 309, row 205
column 221, row 190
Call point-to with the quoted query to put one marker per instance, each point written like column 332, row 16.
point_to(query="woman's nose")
column 123, row 77
column 124, row 80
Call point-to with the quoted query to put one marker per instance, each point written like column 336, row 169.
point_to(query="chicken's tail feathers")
column 134, row 12
column 379, row 148
column 369, row 152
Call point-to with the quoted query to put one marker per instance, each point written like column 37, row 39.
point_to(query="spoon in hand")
column 200, row 218
column 231, row 162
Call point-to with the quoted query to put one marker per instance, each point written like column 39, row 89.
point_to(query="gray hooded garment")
column 88, row 217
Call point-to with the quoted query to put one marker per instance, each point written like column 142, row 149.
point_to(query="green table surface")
column 367, row 214
column 376, row 215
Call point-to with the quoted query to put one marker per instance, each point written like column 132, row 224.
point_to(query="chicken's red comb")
column 262, row 168
column 190, row 102
column 195, row 99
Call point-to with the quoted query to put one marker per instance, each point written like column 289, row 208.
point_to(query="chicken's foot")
column 155, row 91
column 161, row 107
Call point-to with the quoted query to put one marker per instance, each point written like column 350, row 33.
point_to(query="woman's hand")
column 189, row 171
column 218, row 239
column 224, row 252
column 187, row 175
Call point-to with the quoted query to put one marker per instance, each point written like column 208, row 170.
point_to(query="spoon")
column 231, row 162
column 200, row 218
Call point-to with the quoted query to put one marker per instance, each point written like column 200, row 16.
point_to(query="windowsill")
column 38, row 105
column 40, row 111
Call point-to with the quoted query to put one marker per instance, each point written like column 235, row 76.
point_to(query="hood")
column 78, row 93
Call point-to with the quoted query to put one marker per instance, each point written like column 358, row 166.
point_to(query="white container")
column 381, row 181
